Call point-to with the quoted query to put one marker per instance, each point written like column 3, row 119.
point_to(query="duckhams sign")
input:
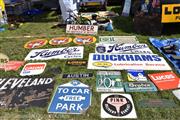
column 127, row 61
column 25, row 92
column 56, row 53
column 71, row 98
column 123, row 48
column 82, row 29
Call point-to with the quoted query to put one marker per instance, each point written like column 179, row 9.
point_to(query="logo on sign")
column 33, row 69
column 35, row 43
column 71, row 98
column 60, row 41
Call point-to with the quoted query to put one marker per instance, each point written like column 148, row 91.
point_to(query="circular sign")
column 60, row 41
column 101, row 49
column 84, row 40
column 117, row 105
column 3, row 58
column 35, row 43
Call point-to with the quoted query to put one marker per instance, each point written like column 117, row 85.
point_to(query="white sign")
column 33, row 69
column 82, row 29
column 123, row 48
column 118, row 39
column 177, row 93
column 116, row 105
column 127, row 61
column 127, row 7
column 56, row 53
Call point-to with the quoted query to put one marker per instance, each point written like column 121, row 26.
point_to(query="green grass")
column 13, row 47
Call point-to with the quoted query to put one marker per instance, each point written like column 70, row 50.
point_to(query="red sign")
column 35, row 43
column 165, row 80
column 12, row 65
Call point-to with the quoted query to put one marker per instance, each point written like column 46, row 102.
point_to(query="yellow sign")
column 170, row 13
column 102, row 64
column 2, row 5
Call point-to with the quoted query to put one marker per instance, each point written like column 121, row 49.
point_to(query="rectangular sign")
column 76, row 62
column 136, row 75
column 78, row 75
column 139, row 87
column 25, row 92
column 82, row 29
column 109, row 81
column 127, row 61
column 123, row 48
column 165, row 80
column 56, row 53
column 118, row 39
column 170, row 13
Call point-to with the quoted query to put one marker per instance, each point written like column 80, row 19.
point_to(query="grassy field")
column 41, row 28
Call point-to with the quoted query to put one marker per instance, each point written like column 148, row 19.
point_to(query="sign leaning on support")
column 127, row 61
column 71, row 98
column 56, row 53
column 82, row 29
column 123, row 48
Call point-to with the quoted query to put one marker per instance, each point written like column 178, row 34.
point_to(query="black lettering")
column 167, row 12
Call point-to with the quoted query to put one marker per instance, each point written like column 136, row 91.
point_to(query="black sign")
column 117, row 105
column 78, row 75
column 76, row 62
column 25, row 92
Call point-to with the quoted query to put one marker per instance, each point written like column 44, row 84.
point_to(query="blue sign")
column 71, row 98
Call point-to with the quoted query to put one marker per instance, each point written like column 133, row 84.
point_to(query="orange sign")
column 60, row 41
column 165, row 80
column 84, row 40
column 35, row 43
column 170, row 13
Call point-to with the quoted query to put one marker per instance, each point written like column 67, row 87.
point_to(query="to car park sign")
column 71, row 98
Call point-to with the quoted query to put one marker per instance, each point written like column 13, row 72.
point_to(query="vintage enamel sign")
column 136, row 75
column 56, row 53
column 71, row 98
column 35, row 43
column 60, row 41
column 84, row 40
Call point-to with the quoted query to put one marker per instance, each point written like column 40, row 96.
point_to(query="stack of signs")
column 165, row 80
column 109, row 81
column 56, row 53
column 117, row 106
column 136, row 75
column 84, row 40
column 177, row 93
column 78, row 75
column 25, row 92
column 127, row 61
column 33, row 69
column 118, row 39
column 71, row 98
column 123, row 48
column 82, row 29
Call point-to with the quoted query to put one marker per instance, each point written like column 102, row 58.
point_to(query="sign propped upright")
column 71, row 98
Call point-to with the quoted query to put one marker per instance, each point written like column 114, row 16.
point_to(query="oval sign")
column 102, row 64
column 35, row 43
column 60, row 41
column 84, row 40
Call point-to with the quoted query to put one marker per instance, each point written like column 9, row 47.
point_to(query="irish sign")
column 56, row 53
column 71, row 98
column 127, row 61
column 117, row 106
column 25, row 92
column 109, row 81
column 123, row 48
column 82, row 29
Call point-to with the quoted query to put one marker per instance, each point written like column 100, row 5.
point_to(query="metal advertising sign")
column 60, row 41
column 118, row 39
column 56, row 53
column 127, row 61
column 13, row 65
column 136, row 75
column 123, row 48
column 117, row 106
column 25, row 92
column 170, row 13
column 165, row 80
column 84, row 40
column 36, row 43
column 76, row 62
column 109, row 81
column 82, row 29
column 33, row 69
column 78, row 75
column 139, row 87
column 71, row 98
